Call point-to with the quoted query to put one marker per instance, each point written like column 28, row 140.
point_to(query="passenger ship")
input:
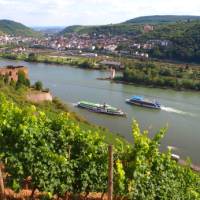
column 140, row 101
column 100, row 108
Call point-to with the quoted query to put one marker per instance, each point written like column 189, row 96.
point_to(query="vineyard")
column 52, row 157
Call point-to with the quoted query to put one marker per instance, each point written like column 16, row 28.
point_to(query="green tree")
column 6, row 78
column 32, row 57
column 22, row 80
column 85, row 64
column 38, row 85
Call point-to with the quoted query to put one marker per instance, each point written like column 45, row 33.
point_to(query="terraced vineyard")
column 59, row 158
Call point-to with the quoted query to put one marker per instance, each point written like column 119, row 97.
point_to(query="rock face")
column 39, row 97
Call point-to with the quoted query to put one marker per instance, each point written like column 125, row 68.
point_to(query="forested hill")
column 184, row 39
column 130, row 27
column 160, row 19
column 112, row 29
column 17, row 29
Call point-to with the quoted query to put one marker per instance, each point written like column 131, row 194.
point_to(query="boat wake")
column 173, row 110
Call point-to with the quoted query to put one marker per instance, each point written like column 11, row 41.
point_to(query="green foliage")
column 184, row 39
column 55, row 152
column 9, row 56
column 38, row 85
column 131, row 27
column 85, row 65
column 6, row 78
column 61, row 156
column 73, row 61
column 119, row 179
column 151, row 74
column 164, row 19
column 22, row 80
column 32, row 57
column 154, row 175
column 113, row 29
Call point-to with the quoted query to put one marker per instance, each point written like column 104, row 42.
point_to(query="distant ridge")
column 130, row 27
column 15, row 28
column 111, row 29
column 156, row 19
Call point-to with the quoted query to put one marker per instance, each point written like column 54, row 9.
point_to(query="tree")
column 85, row 64
column 32, row 57
column 6, row 78
column 22, row 80
column 38, row 85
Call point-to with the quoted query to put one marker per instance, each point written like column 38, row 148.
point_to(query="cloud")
column 68, row 12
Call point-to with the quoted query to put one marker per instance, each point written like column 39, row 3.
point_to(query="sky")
column 90, row 12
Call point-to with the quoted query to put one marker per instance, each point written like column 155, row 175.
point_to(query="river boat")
column 140, row 101
column 100, row 108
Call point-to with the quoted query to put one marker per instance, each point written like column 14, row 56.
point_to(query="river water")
column 180, row 110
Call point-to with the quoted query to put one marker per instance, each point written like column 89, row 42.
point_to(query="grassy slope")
column 15, row 28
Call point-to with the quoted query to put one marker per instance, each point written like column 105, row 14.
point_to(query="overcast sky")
column 90, row 12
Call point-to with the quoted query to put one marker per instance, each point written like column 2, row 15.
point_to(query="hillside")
column 131, row 27
column 184, row 39
column 15, row 28
column 112, row 29
column 163, row 19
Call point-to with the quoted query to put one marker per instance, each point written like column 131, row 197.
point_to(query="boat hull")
column 143, row 104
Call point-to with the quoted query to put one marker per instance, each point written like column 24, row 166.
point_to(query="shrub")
column 38, row 85
column 22, row 80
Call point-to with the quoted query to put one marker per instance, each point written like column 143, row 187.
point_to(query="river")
column 180, row 110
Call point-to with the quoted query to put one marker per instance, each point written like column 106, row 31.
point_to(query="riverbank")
column 144, row 73
column 121, row 81
column 75, row 61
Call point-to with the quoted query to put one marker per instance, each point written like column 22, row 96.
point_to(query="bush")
column 38, row 85
column 32, row 57
column 46, row 90
column 166, row 72
column 85, row 64
column 22, row 80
